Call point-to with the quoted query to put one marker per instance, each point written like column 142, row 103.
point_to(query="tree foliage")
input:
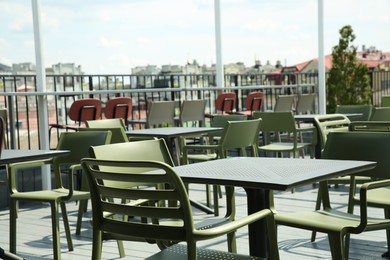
column 348, row 82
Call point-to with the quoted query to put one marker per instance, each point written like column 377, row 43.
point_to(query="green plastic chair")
column 78, row 144
column 115, row 125
column 236, row 135
column 330, row 123
column 171, row 202
column 370, row 126
column 380, row 114
column 338, row 225
column 284, row 103
column 192, row 111
column 385, row 101
column 305, row 104
column 157, row 150
column 364, row 110
column 159, row 113
column 276, row 123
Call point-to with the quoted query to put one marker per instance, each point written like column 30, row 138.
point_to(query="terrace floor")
column 34, row 231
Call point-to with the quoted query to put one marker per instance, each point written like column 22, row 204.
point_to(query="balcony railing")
column 20, row 99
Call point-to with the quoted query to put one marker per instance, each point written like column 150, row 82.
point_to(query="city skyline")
column 115, row 36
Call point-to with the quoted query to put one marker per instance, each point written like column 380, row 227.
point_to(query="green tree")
column 348, row 82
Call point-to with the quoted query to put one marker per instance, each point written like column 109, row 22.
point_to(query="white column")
column 41, row 86
column 321, row 60
column 218, row 45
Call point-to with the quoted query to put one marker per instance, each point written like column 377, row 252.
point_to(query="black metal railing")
column 65, row 89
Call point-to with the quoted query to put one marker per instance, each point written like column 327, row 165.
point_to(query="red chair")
column 120, row 107
column 225, row 103
column 254, row 102
column 80, row 111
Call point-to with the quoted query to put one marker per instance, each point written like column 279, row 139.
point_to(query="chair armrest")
column 363, row 199
column 13, row 167
column 233, row 225
column 71, row 171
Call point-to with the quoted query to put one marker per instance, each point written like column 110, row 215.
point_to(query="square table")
column 259, row 176
column 170, row 134
column 14, row 155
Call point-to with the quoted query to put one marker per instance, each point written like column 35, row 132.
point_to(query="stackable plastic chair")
column 305, row 104
column 380, row 114
column 80, row 111
column 338, row 225
column 78, row 144
column 225, row 103
column 363, row 112
column 276, row 124
column 253, row 102
column 284, row 103
column 115, row 125
column 158, row 114
column 191, row 111
column 157, row 150
column 164, row 203
column 120, row 107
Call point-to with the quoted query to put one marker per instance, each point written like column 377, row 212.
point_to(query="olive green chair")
column 239, row 135
column 192, row 112
column 385, row 101
column 169, row 203
column 337, row 224
column 306, row 104
column 370, row 126
column 115, row 125
column 380, row 114
column 157, row 150
column 363, row 112
column 275, row 124
column 330, row 123
column 78, row 144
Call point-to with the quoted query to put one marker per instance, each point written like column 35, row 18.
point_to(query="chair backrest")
column 85, row 109
column 107, row 199
column 222, row 120
column 364, row 110
column 225, row 102
column 192, row 110
column 284, row 103
column 305, row 104
column 153, row 149
column 120, row 107
column 118, row 134
column 385, row 101
column 241, row 135
column 254, row 101
column 380, row 114
column 370, row 126
column 363, row 146
column 104, row 123
column 330, row 123
column 276, row 121
column 160, row 112
column 78, row 143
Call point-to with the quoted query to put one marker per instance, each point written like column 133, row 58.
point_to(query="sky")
column 113, row 36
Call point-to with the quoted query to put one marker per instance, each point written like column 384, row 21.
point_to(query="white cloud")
column 109, row 43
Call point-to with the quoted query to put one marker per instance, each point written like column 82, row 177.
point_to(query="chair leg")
column 12, row 225
column 83, row 204
column 66, row 226
column 96, row 244
column 55, row 230
column 232, row 244
column 336, row 246
column 318, row 206
column 191, row 251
